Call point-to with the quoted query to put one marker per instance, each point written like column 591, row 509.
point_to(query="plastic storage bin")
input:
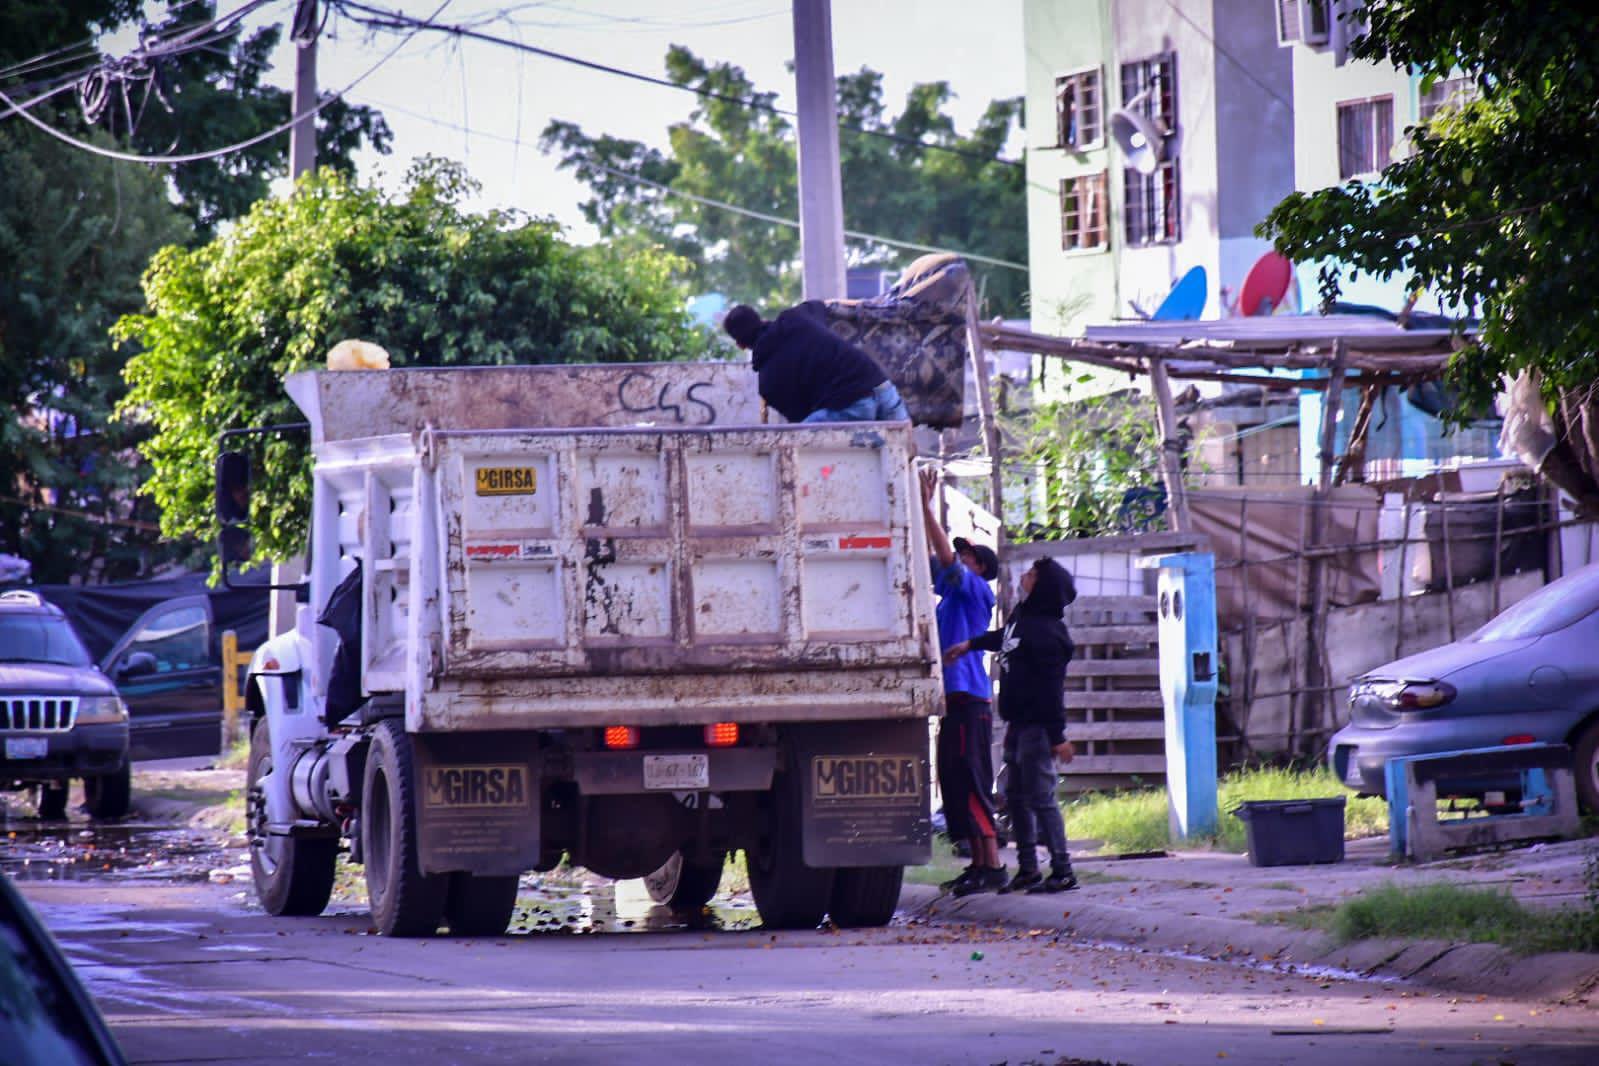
column 1293, row 832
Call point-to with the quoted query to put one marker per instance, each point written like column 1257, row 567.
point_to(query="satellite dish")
column 1142, row 142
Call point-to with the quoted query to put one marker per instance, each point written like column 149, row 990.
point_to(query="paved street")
column 189, row 972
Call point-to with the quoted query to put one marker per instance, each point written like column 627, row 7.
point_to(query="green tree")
column 196, row 99
column 967, row 199
column 413, row 272
column 75, row 232
column 1494, row 208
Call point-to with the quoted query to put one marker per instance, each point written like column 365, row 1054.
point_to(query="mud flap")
column 477, row 802
column 864, row 793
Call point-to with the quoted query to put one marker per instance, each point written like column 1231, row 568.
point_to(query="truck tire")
column 52, row 801
column 788, row 894
column 683, row 885
column 109, row 795
column 1585, row 766
column 404, row 901
column 293, row 875
column 480, row 906
column 865, row 896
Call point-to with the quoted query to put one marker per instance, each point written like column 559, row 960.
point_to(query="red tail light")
column 1519, row 738
column 621, row 737
column 721, row 735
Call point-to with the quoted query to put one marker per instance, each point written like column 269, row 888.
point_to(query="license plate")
column 27, row 747
column 677, row 772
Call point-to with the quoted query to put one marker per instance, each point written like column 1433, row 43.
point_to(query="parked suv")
column 60, row 717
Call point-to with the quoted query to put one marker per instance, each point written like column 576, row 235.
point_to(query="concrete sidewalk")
column 1217, row 905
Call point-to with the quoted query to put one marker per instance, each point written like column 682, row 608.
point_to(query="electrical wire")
column 382, row 19
column 195, row 157
column 762, row 216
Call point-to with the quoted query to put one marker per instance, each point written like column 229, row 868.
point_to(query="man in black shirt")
column 808, row 373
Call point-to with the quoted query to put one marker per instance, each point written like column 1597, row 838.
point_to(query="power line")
column 379, row 18
column 195, row 157
column 747, row 212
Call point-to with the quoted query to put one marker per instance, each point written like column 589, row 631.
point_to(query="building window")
column 1303, row 20
column 1082, row 212
column 1450, row 92
column 1158, row 76
column 1079, row 113
column 1365, row 136
column 1150, row 205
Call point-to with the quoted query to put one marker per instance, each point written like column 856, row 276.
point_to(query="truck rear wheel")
column 480, row 906
column 866, row 896
column 683, row 885
column 293, row 875
column 404, row 901
column 788, row 894
column 109, row 795
column 51, row 800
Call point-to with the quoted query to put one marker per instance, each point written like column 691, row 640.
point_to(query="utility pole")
column 302, row 135
column 821, row 194
column 302, row 158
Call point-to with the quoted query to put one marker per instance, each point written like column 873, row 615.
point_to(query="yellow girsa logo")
column 475, row 786
column 894, row 778
column 507, row 480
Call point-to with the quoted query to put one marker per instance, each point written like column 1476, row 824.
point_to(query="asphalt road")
column 191, row 972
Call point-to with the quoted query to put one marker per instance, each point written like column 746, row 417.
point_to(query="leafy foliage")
column 413, row 272
column 207, row 97
column 744, row 155
column 75, row 232
column 1089, row 454
column 1494, row 208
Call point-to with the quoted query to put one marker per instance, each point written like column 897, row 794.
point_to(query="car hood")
column 49, row 679
column 1439, row 663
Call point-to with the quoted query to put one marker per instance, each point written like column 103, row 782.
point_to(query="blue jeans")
column 882, row 404
column 1030, row 797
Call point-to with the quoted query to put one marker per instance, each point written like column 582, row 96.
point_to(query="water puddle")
column 77, row 851
column 562, row 907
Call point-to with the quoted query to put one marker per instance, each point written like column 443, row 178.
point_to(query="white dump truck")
column 600, row 612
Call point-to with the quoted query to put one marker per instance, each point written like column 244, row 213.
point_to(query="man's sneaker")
column 984, row 879
column 1023, row 881
column 1057, row 881
column 962, row 878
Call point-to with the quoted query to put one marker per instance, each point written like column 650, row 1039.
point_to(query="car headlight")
column 1414, row 695
column 94, row 710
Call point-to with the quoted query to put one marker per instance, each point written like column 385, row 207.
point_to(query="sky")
column 435, row 83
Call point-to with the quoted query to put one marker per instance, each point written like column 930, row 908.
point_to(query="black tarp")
column 101, row 614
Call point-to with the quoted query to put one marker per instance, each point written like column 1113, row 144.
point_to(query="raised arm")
column 937, row 538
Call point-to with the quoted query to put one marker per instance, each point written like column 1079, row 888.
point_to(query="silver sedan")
column 1530, row 675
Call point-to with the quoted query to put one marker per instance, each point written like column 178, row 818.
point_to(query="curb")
column 1572, row 977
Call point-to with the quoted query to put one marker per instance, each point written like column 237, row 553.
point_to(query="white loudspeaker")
column 1140, row 140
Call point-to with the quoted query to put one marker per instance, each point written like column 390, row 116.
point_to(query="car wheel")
column 788, row 893
column 865, row 896
column 293, row 875
column 404, row 901
column 109, row 795
column 1586, row 765
column 480, row 906
column 52, row 800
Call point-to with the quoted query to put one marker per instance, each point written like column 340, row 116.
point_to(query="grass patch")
column 944, row 865
column 1136, row 821
column 1457, row 913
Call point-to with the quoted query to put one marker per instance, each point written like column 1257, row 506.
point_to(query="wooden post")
column 232, row 695
column 1404, row 549
column 1171, row 466
column 991, row 441
column 1449, row 566
column 1499, row 540
column 1316, row 668
column 1353, row 464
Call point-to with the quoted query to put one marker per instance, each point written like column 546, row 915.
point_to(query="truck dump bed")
column 529, row 575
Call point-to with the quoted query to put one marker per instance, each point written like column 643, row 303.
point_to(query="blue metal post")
column 1188, row 666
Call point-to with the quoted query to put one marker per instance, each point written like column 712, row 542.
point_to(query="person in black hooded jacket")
column 1034, row 650
column 808, row 373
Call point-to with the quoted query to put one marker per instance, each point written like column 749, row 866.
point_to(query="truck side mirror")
column 233, row 488
column 234, row 545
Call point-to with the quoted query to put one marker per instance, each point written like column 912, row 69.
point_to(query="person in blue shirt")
column 961, row 573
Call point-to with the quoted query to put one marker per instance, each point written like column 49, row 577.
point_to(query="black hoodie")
column 804, row 366
column 1034, row 648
